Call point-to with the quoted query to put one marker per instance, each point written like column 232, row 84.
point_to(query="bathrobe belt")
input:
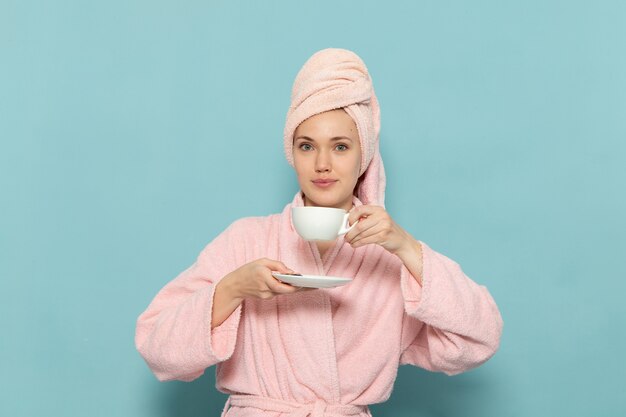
column 317, row 409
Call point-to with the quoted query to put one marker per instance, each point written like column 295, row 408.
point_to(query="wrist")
column 229, row 286
column 407, row 247
column 410, row 250
column 412, row 259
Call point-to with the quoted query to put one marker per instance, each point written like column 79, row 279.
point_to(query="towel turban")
column 336, row 78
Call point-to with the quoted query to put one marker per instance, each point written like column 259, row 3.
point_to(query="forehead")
column 328, row 124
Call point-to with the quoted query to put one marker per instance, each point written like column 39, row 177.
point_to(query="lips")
column 324, row 183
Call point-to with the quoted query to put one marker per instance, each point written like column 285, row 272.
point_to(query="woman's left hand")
column 376, row 226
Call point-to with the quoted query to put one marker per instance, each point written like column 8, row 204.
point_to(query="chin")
column 325, row 200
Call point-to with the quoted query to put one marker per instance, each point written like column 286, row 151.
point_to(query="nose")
column 322, row 162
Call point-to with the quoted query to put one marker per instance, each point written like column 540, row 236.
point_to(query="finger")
column 376, row 238
column 360, row 228
column 278, row 287
column 372, row 235
column 276, row 266
column 354, row 215
column 361, row 211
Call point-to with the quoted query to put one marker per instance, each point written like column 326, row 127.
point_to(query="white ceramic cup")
column 320, row 223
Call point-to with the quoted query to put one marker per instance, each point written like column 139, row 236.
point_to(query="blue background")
column 133, row 132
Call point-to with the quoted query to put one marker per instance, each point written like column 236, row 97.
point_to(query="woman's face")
column 327, row 159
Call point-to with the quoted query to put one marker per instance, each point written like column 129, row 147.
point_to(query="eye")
column 342, row 146
column 305, row 146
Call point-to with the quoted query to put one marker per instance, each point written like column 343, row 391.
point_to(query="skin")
column 326, row 145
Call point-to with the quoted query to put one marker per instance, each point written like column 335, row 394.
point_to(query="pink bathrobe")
column 325, row 352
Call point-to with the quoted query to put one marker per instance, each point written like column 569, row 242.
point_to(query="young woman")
column 281, row 350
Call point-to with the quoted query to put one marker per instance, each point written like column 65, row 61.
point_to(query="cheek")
column 357, row 165
column 296, row 161
column 298, row 167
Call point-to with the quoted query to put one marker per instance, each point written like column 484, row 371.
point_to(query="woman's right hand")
column 255, row 279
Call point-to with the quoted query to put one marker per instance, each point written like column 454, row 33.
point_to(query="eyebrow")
column 332, row 139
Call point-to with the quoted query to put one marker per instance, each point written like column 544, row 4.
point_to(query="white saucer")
column 312, row 281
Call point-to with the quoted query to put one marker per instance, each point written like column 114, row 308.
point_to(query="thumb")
column 354, row 215
column 278, row 266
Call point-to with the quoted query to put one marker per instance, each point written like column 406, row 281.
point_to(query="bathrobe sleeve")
column 174, row 334
column 450, row 324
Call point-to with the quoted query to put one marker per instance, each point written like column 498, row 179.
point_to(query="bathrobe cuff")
column 412, row 291
column 449, row 300
column 445, row 289
column 222, row 339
